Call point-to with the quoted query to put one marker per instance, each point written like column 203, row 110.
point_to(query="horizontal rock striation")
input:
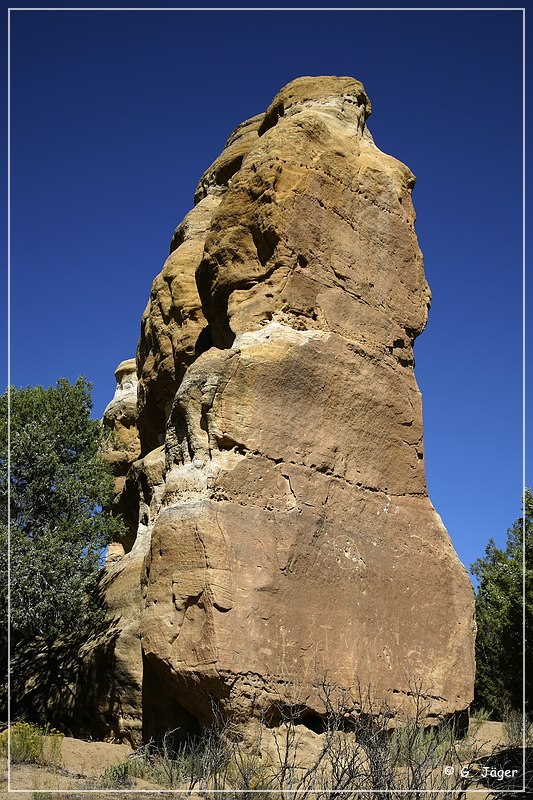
column 281, row 532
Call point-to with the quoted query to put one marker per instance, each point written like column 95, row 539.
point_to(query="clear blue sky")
column 115, row 115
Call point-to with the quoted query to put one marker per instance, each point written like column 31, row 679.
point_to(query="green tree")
column 499, row 612
column 60, row 486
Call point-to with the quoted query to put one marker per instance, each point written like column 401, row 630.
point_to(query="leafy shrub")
column 118, row 775
column 32, row 744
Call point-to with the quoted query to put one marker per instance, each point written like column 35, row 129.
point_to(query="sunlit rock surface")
column 280, row 528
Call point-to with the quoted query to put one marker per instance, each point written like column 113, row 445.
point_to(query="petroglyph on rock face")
column 288, row 531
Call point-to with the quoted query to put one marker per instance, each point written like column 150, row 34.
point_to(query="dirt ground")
column 490, row 735
column 83, row 764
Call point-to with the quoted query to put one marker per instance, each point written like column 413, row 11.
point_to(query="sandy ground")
column 491, row 736
column 83, row 764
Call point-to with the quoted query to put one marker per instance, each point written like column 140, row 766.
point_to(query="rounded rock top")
column 126, row 367
column 319, row 88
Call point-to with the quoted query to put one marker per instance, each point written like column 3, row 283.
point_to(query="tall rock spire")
column 280, row 497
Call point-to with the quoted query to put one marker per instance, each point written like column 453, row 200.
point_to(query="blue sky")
column 116, row 114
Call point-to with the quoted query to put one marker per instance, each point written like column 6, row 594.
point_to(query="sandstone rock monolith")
column 281, row 530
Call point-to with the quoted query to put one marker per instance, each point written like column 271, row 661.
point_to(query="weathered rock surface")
column 280, row 523
column 120, row 418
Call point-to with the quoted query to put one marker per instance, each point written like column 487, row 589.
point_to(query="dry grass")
column 357, row 755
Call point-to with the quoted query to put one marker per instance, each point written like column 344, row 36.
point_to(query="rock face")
column 281, row 531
